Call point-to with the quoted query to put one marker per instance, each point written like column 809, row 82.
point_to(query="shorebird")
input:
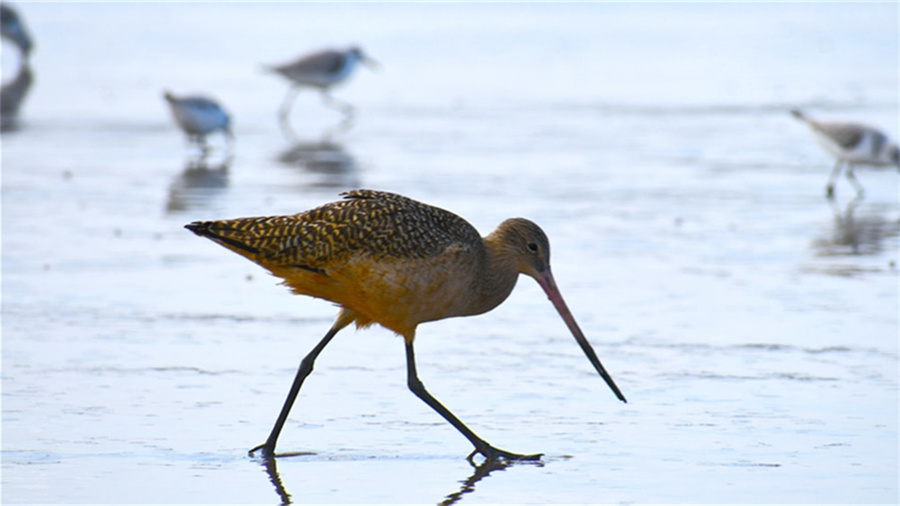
column 13, row 92
column 12, row 95
column 198, row 117
column 852, row 144
column 12, row 28
column 321, row 70
column 388, row 259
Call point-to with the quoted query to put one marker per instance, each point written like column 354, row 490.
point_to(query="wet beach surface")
column 751, row 322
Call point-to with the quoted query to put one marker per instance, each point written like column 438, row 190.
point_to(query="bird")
column 852, row 144
column 198, row 117
column 13, row 29
column 322, row 70
column 14, row 91
column 387, row 259
column 12, row 95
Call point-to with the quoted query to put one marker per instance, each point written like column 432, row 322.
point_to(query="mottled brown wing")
column 372, row 223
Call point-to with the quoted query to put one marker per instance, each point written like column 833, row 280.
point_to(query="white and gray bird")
column 320, row 70
column 852, row 144
column 14, row 91
column 13, row 29
column 198, row 117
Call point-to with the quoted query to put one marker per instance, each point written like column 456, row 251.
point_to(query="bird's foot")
column 494, row 454
column 267, row 450
column 829, row 191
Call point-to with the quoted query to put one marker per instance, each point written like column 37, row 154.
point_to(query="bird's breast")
column 397, row 293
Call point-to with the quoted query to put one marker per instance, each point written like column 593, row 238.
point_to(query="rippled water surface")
column 751, row 322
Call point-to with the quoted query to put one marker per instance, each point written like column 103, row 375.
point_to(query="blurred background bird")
column 14, row 30
column 14, row 91
column 320, row 70
column 852, row 144
column 198, row 117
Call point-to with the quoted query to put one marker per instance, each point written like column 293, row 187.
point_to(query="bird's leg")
column 346, row 108
column 835, row 172
column 285, row 108
column 852, row 177
column 481, row 446
column 204, row 147
column 306, row 367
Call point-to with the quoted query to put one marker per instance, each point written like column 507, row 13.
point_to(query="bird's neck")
column 498, row 276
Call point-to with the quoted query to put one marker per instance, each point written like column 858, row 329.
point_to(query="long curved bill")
column 547, row 282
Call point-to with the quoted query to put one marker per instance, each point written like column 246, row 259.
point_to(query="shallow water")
column 751, row 322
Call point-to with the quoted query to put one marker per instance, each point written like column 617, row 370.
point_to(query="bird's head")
column 13, row 29
column 527, row 245
column 357, row 53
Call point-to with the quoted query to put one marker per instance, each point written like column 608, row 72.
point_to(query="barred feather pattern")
column 373, row 223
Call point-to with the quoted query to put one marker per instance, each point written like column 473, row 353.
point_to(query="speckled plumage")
column 372, row 223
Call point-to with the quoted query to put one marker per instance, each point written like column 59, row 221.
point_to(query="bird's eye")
column 532, row 247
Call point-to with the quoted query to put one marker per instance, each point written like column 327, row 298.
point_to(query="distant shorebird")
column 852, row 144
column 12, row 94
column 321, row 70
column 14, row 91
column 198, row 117
column 12, row 28
column 388, row 259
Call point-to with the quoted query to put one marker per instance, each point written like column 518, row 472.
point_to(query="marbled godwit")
column 12, row 28
column 852, row 144
column 391, row 260
column 322, row 70
column 198, row 117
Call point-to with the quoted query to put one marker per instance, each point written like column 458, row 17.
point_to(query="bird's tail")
column 227, row 234
column 169, row 96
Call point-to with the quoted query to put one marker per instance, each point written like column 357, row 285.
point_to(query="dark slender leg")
column 835, row 172
column 286, row 105
column 306, row 367
column 346, row 108
column 852, row 177
column 481, row 446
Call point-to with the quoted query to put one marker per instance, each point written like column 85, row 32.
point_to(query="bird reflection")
column 325, row 160
column 855, row 235
column 199, row 182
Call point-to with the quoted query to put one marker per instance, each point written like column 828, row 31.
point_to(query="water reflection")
column 12, row 95
column 198, row 183
column 855, row 235
column 481, row 471
column 275, row 478
column 330, row 165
